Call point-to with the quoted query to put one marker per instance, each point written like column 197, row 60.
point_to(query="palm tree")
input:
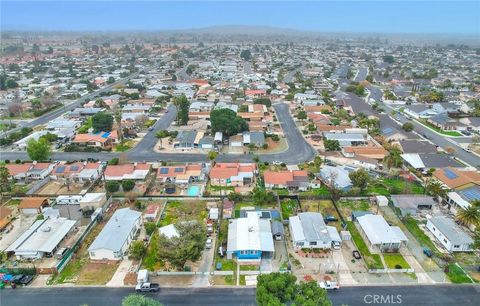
column 118, row 120
column 435, row 189
column 469, row 216
column 394, row 159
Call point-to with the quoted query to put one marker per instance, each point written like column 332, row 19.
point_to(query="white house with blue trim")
column 249, row 238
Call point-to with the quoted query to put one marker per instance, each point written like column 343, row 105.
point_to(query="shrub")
column 128, row 185
column 112, row 186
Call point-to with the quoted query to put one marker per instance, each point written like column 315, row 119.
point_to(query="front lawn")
column 457, row 275
column 395, row 261
column 124, row 146
column 373, row 261
column 227, row 264
column 438, row 130
column 249, row 268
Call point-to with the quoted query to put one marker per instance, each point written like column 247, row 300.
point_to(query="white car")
column 328, row 285
column 276, row 162
column 208, row 244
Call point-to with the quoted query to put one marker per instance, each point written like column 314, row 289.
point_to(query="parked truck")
column 142, row 276
column 147, row 287
column 329, row 285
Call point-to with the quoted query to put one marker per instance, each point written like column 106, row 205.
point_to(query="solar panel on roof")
column 60, row 169
column 74, row 168
column 163, row 170
column 450, row 174
column 471, row 194
column 178, row 169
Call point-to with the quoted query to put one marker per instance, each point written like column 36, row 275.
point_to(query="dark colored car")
column 27, row 279
column 356, row 254
column 16, row 279
column 427, row 252
column 329, row 218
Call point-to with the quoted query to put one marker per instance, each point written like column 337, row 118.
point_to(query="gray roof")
column 277, row 228
column 206, row 140
column 116, row 231
column 418, row 108
column 339, row 174
column 186, row 137
column 438, row 161
column 345, row 136
column 451, row 230
column 410, row 203
column 257, row 138
column 417, row 146
column 314, row 227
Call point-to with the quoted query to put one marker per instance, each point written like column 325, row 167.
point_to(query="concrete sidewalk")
column 119, row 276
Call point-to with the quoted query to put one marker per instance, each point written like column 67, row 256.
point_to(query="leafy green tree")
column 4, row 184
column 265, row 101
column 388, row 59
column 112, row 186
column 183, row 106
column 139, row 300
column 263, row 197
column 310, row 294
column 111, row 80
column 11, row 83
column 275, row 289
column 302, row 115
column 187, row 247
column 469, row 216
column 235, row 197
column 212, row 155
column 225, row 120
column 331, row 145
column 162, row 134
column 246, row 55
column 113, row 161
column 102, row 122
column 359, row 178
column 128, row 185
column 137, row 249
column 38, row 149
column 150, row 227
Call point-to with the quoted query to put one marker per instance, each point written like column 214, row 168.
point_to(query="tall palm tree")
column 435, row 189
column 469, row 216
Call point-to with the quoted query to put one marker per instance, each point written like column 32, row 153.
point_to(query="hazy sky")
column 340, row 16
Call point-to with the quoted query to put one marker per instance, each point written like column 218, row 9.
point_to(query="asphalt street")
column 434, row 295
column 359, row 105
column 56, row 113
column 298, row 149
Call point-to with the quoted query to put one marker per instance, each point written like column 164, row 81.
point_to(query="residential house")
column 33, row 205
column 102, row 140
column 380, row 235
column 290, row 179
column 115, row 238
column 182, row 174
column 151, row 212
column 449, row 234
column 347, row 139
column 411, row 204
column 42, row 238
column 308, row 230
column 336, row 175
column 377, row 153
column 135, row 171
column 233, row 174
column 249, row 238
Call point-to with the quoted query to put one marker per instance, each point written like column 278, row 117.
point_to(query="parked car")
column 208, row 244
column 26, row 279
column 330, row 218
column 427, row 252
column 356, row 254
column 17, row 278
column 328, row 285
column 147, row 287
column 466, row 133
column 277, row 163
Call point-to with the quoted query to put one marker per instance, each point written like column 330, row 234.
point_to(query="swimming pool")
column 193, row 191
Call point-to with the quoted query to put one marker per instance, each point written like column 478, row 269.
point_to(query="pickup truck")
column 328, row 285
column 147, row 287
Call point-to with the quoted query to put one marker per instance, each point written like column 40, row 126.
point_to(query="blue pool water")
column 193, row 191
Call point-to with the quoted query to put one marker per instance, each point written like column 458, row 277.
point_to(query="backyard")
column 347, row 206
column 288, row 208
column 417, row 232
column 373, row 261
column 316, row 192
column 387, row 186
column 325, row 207
column 183, row 210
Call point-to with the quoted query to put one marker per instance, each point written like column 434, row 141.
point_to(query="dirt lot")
column 325, row 207
column 58, row 188
column 173, row 280
column 96, row 273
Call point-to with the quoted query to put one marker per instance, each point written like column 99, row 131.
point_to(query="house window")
column 456, row 246
column 445, row 240
column 313, row 243
column 299, row 243
column 92, row 253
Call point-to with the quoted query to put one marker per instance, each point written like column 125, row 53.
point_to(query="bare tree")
column 140, row 120
column 15, row 108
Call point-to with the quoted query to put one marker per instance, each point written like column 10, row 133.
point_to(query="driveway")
column 202, row 278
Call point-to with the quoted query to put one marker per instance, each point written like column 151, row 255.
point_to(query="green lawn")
column 457, row 275
column 281, row 191
column 123, row 146
column 373, row 261
column 421, row 237
column 288, row 208
column 183, row 210
column 395, row 261
column 436, row 129
column 322, row 191
column 347, row 206
column 387, row 186
column 84, row 128
column 249, row 268
column 227, row 264
column 219, row 188
column 240, row 205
